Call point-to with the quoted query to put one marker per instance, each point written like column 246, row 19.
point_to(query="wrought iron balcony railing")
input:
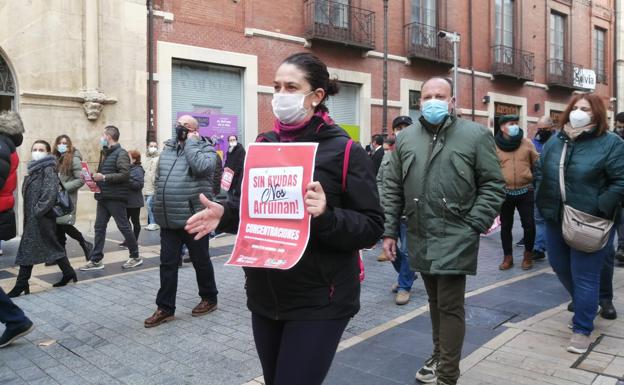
column 339, row 23
column 560, row 73
column 601, row 76
column 511, row 62
column 422, row 42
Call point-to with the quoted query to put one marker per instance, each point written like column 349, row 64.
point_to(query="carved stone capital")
column 93, row 103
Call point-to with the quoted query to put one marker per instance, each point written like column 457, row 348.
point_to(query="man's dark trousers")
column 105, row 210
column 10, row 314
column 446, row 307
column 171, row 241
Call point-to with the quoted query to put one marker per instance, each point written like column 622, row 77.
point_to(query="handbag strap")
column 562, row 172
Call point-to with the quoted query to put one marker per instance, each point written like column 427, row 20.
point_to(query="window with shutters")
column 414, row 105
column 504, row 31
column 599, row 55
column 334, row 13
column 557, row 43
column 7, row 86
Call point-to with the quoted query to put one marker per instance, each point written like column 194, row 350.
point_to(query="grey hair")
column 546, row 119
column 11, row 123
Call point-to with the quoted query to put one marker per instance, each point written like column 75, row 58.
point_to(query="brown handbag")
column 581, row 231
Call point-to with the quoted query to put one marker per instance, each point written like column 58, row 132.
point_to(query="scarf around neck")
column 511, row 144
column 574, row 133
column 289, row 132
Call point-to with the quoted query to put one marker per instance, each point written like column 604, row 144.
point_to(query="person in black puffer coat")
column 135, row 197
column 299, row 315
column 235, row 161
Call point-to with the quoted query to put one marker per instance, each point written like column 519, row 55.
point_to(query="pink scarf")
column 289, row 132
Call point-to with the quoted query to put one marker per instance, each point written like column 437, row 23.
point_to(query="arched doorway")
column 7, row 87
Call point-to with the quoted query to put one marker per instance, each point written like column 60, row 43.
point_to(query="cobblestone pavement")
column 95, row 328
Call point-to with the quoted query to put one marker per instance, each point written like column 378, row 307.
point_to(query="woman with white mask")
column 593, row 182
column 39, row 242
column 298, row 315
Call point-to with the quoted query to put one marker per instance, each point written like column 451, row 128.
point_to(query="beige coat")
column 150, row 165
column 517, row 166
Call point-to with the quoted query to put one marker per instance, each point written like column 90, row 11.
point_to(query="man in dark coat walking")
column 235, row 161
column 11, row 130
column 378, row 153
column 113, row 179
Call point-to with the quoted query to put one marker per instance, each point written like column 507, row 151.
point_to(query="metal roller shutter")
column 207, row 88
column 344, row 107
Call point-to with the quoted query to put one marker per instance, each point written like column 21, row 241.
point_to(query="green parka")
column 594, row 175
column 450, row 184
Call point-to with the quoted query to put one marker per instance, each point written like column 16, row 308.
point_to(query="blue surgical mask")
column 435, row 110
column 513, row 130
column 62, row 148
column 103, row 143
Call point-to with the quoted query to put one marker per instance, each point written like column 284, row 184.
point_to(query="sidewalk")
column 92, row 332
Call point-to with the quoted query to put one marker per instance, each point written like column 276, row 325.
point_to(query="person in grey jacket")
column 70, row 174
column 39, row 243
column 185, row 171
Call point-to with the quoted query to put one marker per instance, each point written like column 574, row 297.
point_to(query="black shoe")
column 50, row 263
column 65, row 280
column 187, row 260
column 619, row 255
column 607, row 310
column 123, row 245
column 520, row 243
column 11, row 334
column 537, row 255
column 571, row 307
column 19, row 289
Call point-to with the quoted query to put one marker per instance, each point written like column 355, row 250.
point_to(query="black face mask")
column 181, row 132
column 543, row 135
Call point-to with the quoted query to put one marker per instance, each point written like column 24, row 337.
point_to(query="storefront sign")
column 506, row 109
column 274, row 226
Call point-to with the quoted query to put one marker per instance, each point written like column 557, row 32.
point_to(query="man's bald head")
column 545, row 122
column 189, row 122
column 438, row 81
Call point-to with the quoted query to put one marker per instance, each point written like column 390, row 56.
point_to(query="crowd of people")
column 428, row 191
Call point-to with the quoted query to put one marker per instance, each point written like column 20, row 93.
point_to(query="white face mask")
column 38, row 155
column 579, row 118
column 152, row 150
column 233, row 144
column 288, row 108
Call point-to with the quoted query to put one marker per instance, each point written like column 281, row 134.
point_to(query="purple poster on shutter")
column 217, row 127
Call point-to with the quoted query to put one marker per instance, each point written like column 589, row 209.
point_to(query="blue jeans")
column 149, row 205
column 620, row 231
column 606, row 277
column 10, row 314
column 579, row 272
column 540, row 237
column 401, row 263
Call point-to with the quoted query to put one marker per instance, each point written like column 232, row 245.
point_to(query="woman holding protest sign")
column 299, row 314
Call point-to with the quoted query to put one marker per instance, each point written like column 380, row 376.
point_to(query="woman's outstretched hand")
column 205, row 221
column 315, row 200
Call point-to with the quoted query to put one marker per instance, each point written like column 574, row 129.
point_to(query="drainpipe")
column 472, row 72
column 150, row 134
column 384, row 114
column 619, row 55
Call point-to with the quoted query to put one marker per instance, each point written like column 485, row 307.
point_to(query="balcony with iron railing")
column 422, row 42
column 339, row 23
column 514, row 63
column 560, row 73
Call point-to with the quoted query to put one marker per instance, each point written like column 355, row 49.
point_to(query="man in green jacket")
column 445, row 174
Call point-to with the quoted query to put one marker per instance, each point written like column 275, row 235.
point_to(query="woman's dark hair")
column 65, row 162
column 40, row 141
column 598, row 109
column 316, row 74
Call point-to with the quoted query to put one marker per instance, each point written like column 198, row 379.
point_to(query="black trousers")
column 296, row 352
column 133, row 217
column 524, row 203
column 72, row 231
column 105, row 210
column 171, row 242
